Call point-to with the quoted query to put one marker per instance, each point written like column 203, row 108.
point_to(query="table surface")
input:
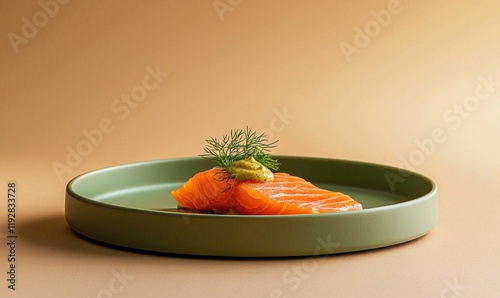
column 412, row 84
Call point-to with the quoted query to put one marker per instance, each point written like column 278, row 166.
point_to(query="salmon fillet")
column 204, row 193
column 286, row 194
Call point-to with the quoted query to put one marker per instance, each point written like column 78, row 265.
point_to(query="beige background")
column 281, row 68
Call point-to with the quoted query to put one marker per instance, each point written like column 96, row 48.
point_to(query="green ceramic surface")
column 131, row 206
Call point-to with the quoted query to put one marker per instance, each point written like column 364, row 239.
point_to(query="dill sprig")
column 240, row 144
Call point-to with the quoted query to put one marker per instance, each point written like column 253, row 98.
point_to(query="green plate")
column 131, row 206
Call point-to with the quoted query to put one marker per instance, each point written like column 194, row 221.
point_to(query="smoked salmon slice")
column 286, row 194
column 203, row 192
